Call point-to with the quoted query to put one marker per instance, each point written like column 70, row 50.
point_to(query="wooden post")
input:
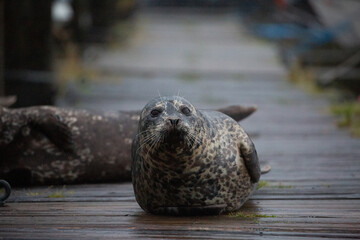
column 92, row 19
column 27, row 41
column 2, row 50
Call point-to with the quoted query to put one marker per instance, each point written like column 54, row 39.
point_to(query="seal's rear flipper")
column 7, row 101
column 265, row 168
column 237, row 112
column 55, row 130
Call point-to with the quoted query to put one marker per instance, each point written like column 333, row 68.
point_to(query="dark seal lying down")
column 188, row 161
column 50, row 145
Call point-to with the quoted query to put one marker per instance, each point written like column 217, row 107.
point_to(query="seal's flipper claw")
column 55, row 130
column 238, row 112
column 265, row 168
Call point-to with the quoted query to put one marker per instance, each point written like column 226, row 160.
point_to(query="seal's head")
column 170, row 122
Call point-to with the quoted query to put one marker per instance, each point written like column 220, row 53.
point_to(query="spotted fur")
column 205, row 164
column 35, row 146
column 50, row 145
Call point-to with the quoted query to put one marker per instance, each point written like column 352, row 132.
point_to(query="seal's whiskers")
column 147, row 140
column 153, row 145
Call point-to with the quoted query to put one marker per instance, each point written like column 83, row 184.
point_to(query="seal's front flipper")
column 251, row 160
column 54, row 129
column 237, row 112
column 252, row 165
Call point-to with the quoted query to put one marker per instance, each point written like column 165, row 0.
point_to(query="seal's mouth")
column 174, row 135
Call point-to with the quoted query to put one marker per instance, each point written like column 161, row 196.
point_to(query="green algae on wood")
column 61, row 193
column 349, row 114
column 283, row 186
column 250, row 215
column 262, row 184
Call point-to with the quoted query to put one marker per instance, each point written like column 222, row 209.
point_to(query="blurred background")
column 117, row 54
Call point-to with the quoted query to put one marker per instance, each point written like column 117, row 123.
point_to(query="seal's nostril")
column 174, row 122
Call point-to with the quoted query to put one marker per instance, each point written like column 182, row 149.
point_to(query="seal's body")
column 188, row 161
column 51, row 145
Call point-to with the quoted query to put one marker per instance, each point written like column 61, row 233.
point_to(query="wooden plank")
column 308, row 218
column 312, row 192
column 287, row 189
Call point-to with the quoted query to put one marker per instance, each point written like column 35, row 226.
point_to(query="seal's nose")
column 174, row 122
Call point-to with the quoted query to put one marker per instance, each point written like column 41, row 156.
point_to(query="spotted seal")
column 51, row 145
column 190, row 161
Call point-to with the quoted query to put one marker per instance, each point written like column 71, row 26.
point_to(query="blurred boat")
column 340, row 14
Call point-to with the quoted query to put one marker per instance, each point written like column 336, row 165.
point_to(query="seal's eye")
column 185, row 110
column 155, row 112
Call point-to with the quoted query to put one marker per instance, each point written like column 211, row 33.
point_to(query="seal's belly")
column 217, row 187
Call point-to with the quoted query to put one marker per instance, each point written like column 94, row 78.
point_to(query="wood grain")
column 313, row 189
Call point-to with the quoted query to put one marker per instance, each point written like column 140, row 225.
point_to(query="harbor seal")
column 51, row 145
column 187, row 161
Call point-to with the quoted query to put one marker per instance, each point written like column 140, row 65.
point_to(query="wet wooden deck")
column 312, row 192
column 312, row 210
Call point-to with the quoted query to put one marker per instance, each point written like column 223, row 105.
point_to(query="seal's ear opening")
column 7, row 101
